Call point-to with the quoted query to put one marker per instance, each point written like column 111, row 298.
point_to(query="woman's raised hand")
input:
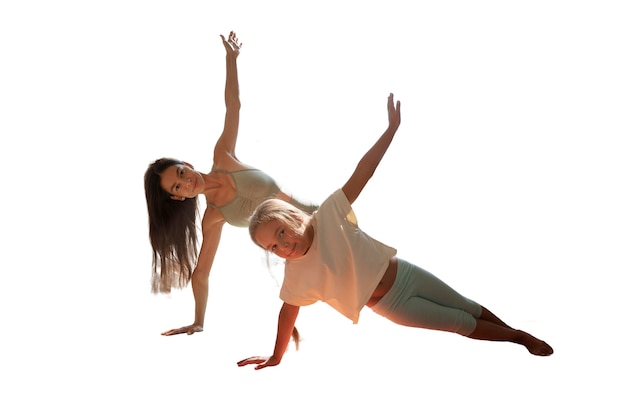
column 232, row 44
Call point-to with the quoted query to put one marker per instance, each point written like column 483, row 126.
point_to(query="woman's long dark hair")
column 173, row 231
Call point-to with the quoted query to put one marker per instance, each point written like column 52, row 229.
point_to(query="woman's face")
column 282, row 240
column 182, row 181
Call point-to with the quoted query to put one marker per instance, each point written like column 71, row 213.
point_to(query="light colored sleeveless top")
column 253, row 186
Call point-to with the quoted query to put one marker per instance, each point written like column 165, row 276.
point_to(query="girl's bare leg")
column 489, row 316
column 489, row 328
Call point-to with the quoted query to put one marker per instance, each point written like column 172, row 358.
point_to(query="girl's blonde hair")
column 275, row 209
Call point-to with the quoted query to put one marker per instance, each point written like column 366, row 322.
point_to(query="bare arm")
column 368, row 164
column 286, row 322
column 212, row 233
column 226, row 143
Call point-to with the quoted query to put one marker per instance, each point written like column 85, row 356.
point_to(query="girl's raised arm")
column 366, row 167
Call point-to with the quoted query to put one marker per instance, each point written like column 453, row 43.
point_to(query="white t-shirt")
column 343, row 266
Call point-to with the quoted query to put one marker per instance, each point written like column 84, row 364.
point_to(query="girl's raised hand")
column 394, row 112
column 231, row 44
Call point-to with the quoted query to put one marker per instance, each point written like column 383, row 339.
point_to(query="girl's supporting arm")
column 286, row 323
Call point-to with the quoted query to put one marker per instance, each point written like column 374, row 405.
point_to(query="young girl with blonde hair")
column 329, row 258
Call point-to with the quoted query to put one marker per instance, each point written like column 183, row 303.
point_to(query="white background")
column 506, row 179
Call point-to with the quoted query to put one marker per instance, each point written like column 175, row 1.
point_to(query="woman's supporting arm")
column 212, row 232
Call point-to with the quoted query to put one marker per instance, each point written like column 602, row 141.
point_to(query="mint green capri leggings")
column 420, row 299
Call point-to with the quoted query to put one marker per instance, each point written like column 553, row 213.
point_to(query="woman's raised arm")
column 228, row 140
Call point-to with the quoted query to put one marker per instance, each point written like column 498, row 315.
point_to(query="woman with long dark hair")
column 232, row 191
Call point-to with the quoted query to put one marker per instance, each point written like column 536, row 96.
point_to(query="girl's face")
column 182, row 181
column 282, row 240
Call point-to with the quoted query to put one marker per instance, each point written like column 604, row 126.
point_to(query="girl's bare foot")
column 534, row 345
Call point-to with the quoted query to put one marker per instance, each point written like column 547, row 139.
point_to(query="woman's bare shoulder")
column 212, row 217
column 228, row 162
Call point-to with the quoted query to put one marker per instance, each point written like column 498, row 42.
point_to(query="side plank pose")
column 329, row 258
column 232, row 190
